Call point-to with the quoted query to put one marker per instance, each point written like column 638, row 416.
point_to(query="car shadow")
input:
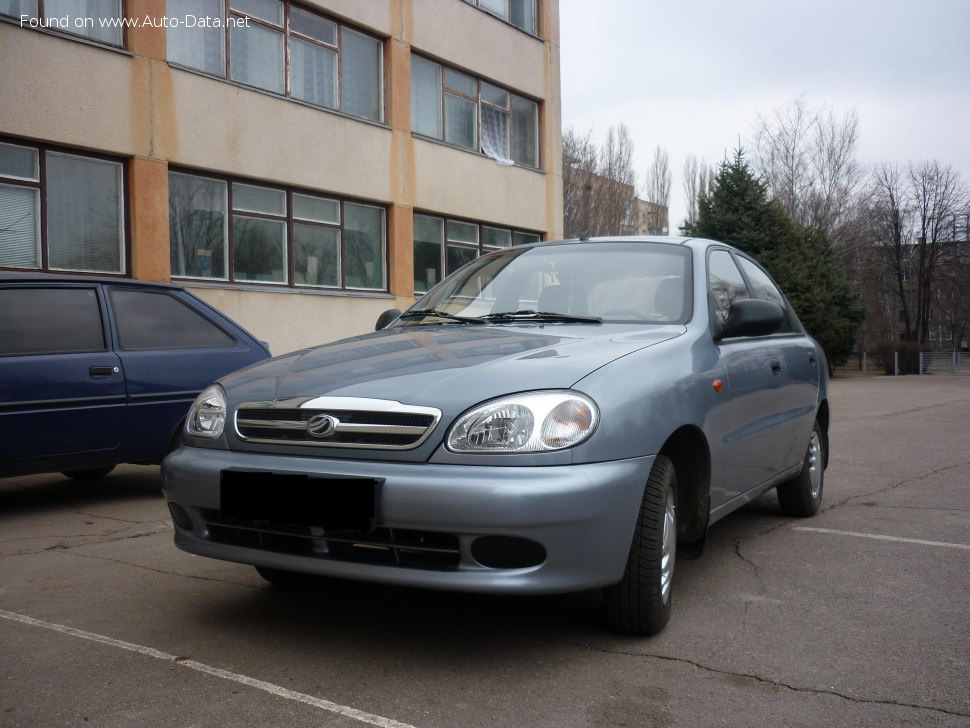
column 51, row 491
column 354, row 618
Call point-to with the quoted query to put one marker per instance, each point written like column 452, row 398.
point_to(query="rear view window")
column 148, row 320
column 49, row 321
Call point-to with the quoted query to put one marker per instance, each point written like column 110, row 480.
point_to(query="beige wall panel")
column 225, row 128
column 375, row 15
column 488, row 47
column 454, row 182
column 291, row 321
column 67, row 92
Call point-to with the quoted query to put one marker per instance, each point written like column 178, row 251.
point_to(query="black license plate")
column 344, row 504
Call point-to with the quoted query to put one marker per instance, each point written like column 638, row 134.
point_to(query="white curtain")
column 495, row 134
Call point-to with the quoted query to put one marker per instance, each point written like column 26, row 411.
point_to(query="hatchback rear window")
column 149, row 320
column 50, row 321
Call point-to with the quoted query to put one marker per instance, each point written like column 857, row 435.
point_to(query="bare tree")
column 939, row 197
column 890, row 218
column 696, row 183
column 579, row 161
column 658, row 179
column 599, row 184
column 914, row 215
column 807, row 156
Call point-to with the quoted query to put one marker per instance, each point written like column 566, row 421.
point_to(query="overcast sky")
column 693, row 75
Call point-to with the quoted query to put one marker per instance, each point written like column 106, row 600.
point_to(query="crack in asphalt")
column 751, row 676
column 86, row 540
column 164, row 571
column 893, row 486
column 77, row 509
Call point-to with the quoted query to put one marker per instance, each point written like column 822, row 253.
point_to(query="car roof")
column 37, row 277
column 662, row 239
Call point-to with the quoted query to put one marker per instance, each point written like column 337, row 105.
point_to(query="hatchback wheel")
column 802, row 495
column 640, row 603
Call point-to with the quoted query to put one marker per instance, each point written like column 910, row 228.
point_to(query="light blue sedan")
column 550, row 418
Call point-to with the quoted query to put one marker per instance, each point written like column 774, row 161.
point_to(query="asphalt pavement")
column 859, row 616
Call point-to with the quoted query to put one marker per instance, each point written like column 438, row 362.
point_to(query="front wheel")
column 640, row 603
column 802, row 495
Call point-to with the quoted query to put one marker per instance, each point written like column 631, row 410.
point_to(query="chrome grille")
column 386, row 546
column 338, row 422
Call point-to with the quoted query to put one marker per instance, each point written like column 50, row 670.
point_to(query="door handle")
column 775, row 366
column 811, row 358
column 103, row 371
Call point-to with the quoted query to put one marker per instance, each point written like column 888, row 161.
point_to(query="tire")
column 640, row 603
column 802, row 495
column 281, row 578
column 88, row 473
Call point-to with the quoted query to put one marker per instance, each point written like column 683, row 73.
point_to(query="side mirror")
column 752, row 317
column 387, row 318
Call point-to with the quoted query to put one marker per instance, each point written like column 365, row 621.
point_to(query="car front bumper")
column 583, row 516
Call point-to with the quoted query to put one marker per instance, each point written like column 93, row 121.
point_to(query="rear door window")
column 157, row 320
column 50, row 320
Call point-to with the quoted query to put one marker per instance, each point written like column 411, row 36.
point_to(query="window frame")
column 73, row 35
column 508, row 21
column 792, row 326
column 481, row 102
column 480, row 248
column 230, row 15
column 290, row 221
column 41, row 185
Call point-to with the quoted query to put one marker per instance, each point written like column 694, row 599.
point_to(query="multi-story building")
column 300, row 165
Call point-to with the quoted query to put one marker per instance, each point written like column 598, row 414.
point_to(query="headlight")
column 528, row 422
column 207, row 417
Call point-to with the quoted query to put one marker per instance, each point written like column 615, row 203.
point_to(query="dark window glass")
column 49, row 321
column 458, row 256
column 428, row 239
column 725, row 281
column 148, row 320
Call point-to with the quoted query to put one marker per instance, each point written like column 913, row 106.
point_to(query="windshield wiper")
column 540, row 316
column 422, row 312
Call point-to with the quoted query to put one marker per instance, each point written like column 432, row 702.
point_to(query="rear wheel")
column 802, row 495
column 88, row 473
column 640, row 603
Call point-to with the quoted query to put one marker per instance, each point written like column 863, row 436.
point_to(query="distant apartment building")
column 646, row 218
column 302, row 166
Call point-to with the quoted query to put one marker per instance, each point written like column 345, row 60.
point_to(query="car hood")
column 445, row 365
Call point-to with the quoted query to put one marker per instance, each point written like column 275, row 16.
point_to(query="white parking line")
column 880, row 537
column 277, row 690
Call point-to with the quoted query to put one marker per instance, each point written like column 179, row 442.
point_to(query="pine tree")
column 738, row 212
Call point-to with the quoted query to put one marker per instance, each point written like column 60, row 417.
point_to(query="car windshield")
column 594, row 282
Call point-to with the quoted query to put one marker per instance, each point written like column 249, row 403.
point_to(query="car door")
column 755, row 446
column 170, row 351
column 798, row 398
column 62, row 391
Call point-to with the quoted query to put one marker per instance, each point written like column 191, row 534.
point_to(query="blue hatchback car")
column 100, row 371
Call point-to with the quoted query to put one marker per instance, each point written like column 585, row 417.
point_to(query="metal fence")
column 929, row 362
column 944, row 362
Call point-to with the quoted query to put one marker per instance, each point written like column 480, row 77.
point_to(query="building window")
column 99, row 20
column 474, row 114
column 80, row 197
column 239, row 231
column 283, row 48
column 520, row 13
column 443, row 245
